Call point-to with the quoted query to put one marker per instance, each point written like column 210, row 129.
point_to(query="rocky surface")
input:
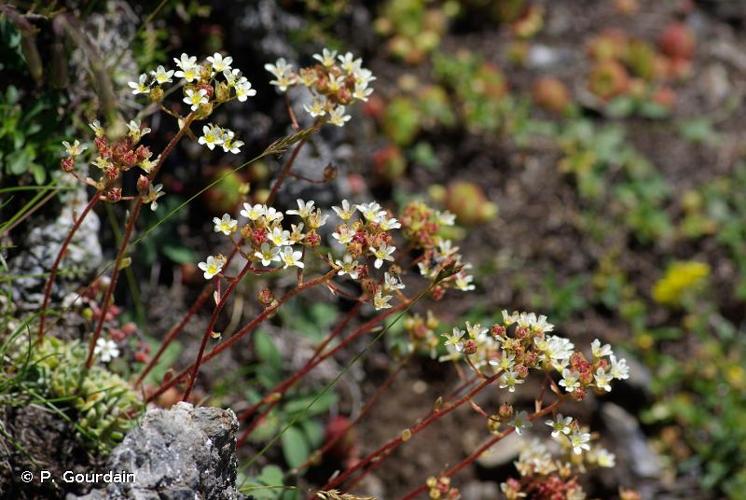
column 181, row 453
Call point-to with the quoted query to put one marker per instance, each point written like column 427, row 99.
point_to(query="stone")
column 630, row 442
column 185, row 452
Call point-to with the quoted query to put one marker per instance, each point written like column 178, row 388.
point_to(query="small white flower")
column 291, row 257
column 305, row 209
column 520, row 422
column 98, row 130
column 253, row 212
column 381, row 301
column 317, row 107
column 454, row 339
column 604, row 458
column 338, row 117
column 363, row 77
column 212, row 136
column 220, row 63
column 389, row 224
column 619, row 369
column 279, row 237
column 243, row 90
column 349, row 64
column 361, row 93
column 135, row 132
column 185, row 63
column 602, row 379
column 226, row 225
column 347, row 265
column 509, row 379
column 326, row 57
column 268, row 254
column 161, row 76
column 560, row 426
column 106, row 350
column 141, row 86
column 569, row 380
column 445, row 218
column 371, row 211
column 392, row 282
column 579, row 441
column 345, row 212
column 382, row 253
column 195, row 99
column 343, row 234
column 272, row 214
column 600, row 351
column 283, row 73
column 212, row 267
column 230, row 144
column 463, row 282
column 154, row 192
column 74, row 149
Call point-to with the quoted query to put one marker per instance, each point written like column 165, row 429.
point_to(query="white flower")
column 475, row 330
column 349, row 63
column 195, row 99
column 604, row 458
column 212, row 136
column 347, row 265
column 141, row 86
column 445, row 218
column 244, row 90
column 291, row 257
column 213, row 266
column 279, row 237
column 506, row 361
column 382, row 254
column 305, row 209
column 188, row 68
column 345, row 213
column 338, row 117
column 569, row 380
column 618, row 369
column 161, row 76
column 600, row 351
column 272, row 214
column 381, row 301
column 226, row 225
column 343, row 234
column 509, row 379
column 253, row 212
column 579, row 441
column 154, row 192
column 560, row 425
column 135, row 132
column 464, row 283
column 389, row 224
column 392, row 282
column 361, row 92
column 230, row 145
column 268, row 254
column 283, row 73
column 106, row 350
column 74, row 149
column 98, row 130
column 454, row 339
column 326, row 57
column 602, row 379
column 520, row 422
column 371, row 211
column 317, row 107
column 363, row 77
column 296, row 233
column 220, row 63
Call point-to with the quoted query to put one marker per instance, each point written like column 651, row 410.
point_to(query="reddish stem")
column 211, row 327
column 479, row 451
column 129, row 229
column 249, row 327
column 285, row 171
column 58, row 260
column 394, row 443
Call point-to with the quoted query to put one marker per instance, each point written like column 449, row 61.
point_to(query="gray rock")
column 181, row 453
column 631, row 442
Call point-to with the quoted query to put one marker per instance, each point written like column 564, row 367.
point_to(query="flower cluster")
column 335, row 82
column 544, row 471
column 423, row 226
column 439, row 488
column 522, row 342
column 213, row 135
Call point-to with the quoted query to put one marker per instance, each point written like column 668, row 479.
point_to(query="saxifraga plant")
column 365, row 250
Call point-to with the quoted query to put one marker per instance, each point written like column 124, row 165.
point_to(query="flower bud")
column 68, row 164
column 156, row 94
column 330, row 173
column 265, row 297
column 114, row 194
column 222, row 92
column 143, row 184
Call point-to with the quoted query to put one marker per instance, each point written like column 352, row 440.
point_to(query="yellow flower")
column 680, row 278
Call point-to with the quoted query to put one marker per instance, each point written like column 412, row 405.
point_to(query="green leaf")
column 314, row 432
column 266, row 349
column 178, row 254
column 304, row 404
column 294, row 447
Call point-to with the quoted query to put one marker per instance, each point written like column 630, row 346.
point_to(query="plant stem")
column 394, row 443
column 249, row 327
column 58, row 260
column 479, row 451
column 211, row 327
column 285, row 171
column 128, row 231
